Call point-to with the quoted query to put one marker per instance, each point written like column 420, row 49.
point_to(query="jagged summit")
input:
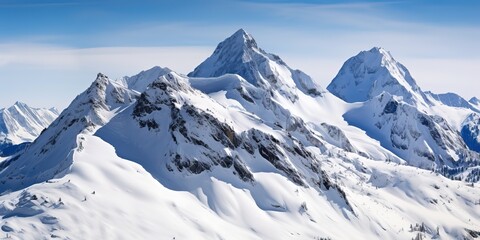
column 240, row 54
column 243, row 38
column 372, row 72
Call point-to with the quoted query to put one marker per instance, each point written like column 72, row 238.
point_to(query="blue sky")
column 50, row 51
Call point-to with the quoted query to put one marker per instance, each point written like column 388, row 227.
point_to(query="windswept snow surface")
column 103, row 196
column 242, row 148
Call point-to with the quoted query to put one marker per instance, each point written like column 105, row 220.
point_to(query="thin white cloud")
column 53, row 76
column 118, row 59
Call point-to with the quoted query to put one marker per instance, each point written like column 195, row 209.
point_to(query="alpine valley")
column 245, row 147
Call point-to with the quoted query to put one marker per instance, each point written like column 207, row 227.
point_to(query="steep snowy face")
column 240, row 54
column 420, row 139
column 176, row 131
column 370, row 73
column 471, row 131
column 453, row 100
column 21, row 123
column 51, row 152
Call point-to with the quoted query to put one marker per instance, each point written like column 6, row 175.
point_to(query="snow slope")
column 162, row 155
column 423, row 140
column 51, row 153
column 118, row 199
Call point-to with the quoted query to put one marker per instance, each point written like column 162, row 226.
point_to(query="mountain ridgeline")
column 244, row 144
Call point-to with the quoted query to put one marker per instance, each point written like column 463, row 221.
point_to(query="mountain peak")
column 372, row 72
column 239, row 54
column 233, row 55
column 377, row 56
column 19, row 104
column 101, row 75
column 241, row 37
column 379, row 50
column 474, row 100
column 240, row 33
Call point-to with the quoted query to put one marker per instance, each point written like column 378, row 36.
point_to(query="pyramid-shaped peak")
column 239, row 38
column 240, row 32
column 234, row 55
column 20, row 104
column 376, row 56
column 101, row 75
column 372, row 72
column 239, row 54
column 474, row 100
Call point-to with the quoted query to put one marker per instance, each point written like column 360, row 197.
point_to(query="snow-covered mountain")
column 454, row 100
column 240, row 54
column 475, row 102
column 51, row 153
column 21, row 124
column 372, row 72
column 423, row 140
column 243, row 147
column 421, row 128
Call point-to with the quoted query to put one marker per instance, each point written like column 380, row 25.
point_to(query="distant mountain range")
column 245, row 147
column 21, row 124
